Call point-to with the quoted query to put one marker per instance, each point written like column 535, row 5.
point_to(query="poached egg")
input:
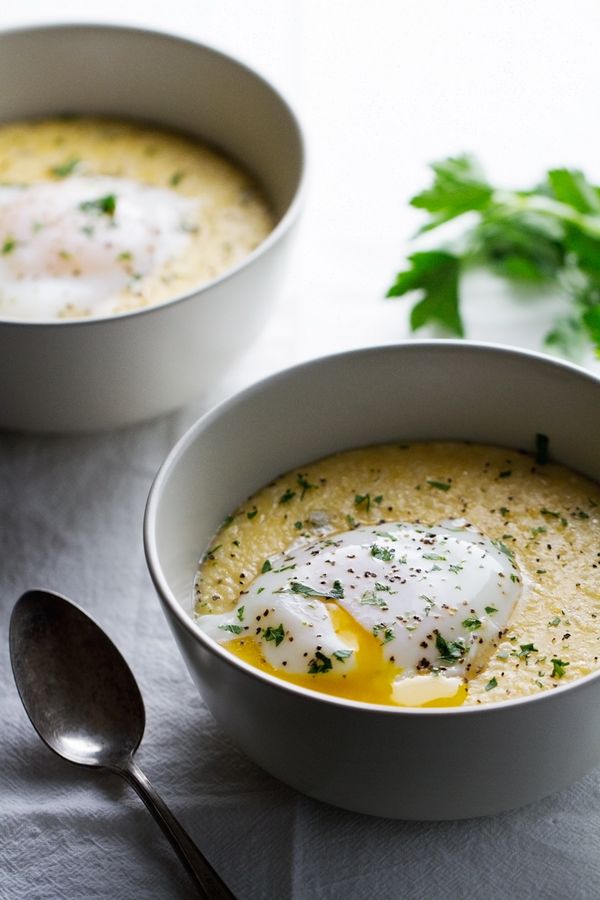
column 85, row 246
column 395, row 614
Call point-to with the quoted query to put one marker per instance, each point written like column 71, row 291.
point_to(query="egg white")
column 78, row 246
column 431, row 600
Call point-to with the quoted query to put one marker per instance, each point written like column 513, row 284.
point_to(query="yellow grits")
column 546, row 516
column 231, row 219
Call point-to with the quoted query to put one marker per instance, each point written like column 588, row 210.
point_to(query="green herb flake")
column 266, row 567
column 66, row 169
column 240, row 613
column 319, row 664
column 384, row 630
column 305, row 485
column 386, row 554
column 554, row 622
column 450, row 651
column 233, row 629
column 472, row 623
column 106, row 205
column 274, row 634
column 342, row 655
column 337, row 591
column 298, row 525
column 440, row 485
column 434, row 556
column 559, row 667
column 251, row 513
column 504, row 511
column 526, row 650
column 363, row 499
column 490, row 610
column 8, row 246
column 288, row 495
column 499, row 545
column 492, row 683
column 176, row 178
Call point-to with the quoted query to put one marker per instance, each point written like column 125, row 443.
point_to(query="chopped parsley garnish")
column 514, row 578
column 298, row 525
column 388, row 632
column 106, row 205
column 490, row 610
column 305, row 485
column 342, row 655
column 558, row 668
column 504, row 511
column 234, row 629
column 336, row 592
column 554, row 622
column 288, row 495
column 492, row 683
column 384, row 553
column 274, row 634
column 440, row 485
column 499, row 545
column 455, row 568
column 251, row 513
column 450, row 651
column 434, row 556
column 526, row 651
column 8, row 246
column 472, row 623
column 370, row 598
column 210, row 554
column 240, row 613
column 319, row 664
column 66, row 169
column 266, row 567
column 363, row 499
column 542, row 442
column 176, row 178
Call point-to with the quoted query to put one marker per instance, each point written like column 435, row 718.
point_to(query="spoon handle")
column 209, row 885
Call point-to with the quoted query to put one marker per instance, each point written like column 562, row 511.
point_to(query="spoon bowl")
column 56, row 652
column 84, row 703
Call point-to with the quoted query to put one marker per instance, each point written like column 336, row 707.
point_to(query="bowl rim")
column 281, row 228
column 186, row 619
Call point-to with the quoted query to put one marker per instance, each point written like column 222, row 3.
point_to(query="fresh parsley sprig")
column 546, row 235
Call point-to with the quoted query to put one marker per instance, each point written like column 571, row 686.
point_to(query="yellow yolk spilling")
column 395, row 615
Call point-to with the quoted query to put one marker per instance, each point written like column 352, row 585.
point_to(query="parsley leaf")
column 274, row 634
column 559, row 667
column 450, row 651
column 436, row 274
column 234, row 629
column 546, row 235
column 106, row 205
column 320, row 664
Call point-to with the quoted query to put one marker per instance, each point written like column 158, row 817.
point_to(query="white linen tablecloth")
column 382, row 88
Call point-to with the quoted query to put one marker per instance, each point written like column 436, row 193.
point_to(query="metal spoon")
column 85, row 704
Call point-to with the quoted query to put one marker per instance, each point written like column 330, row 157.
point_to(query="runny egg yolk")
column 395, row 615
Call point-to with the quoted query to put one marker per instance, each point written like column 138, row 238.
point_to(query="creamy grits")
column 427, row 574
column 100, row 217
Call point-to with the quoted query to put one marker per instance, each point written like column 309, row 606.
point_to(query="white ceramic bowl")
column 399, row 762
column 106, row 372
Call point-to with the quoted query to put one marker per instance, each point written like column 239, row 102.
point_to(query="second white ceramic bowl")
column 87, row 374
column 405, row 763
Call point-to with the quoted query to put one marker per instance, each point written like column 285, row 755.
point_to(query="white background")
column 382, row 89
